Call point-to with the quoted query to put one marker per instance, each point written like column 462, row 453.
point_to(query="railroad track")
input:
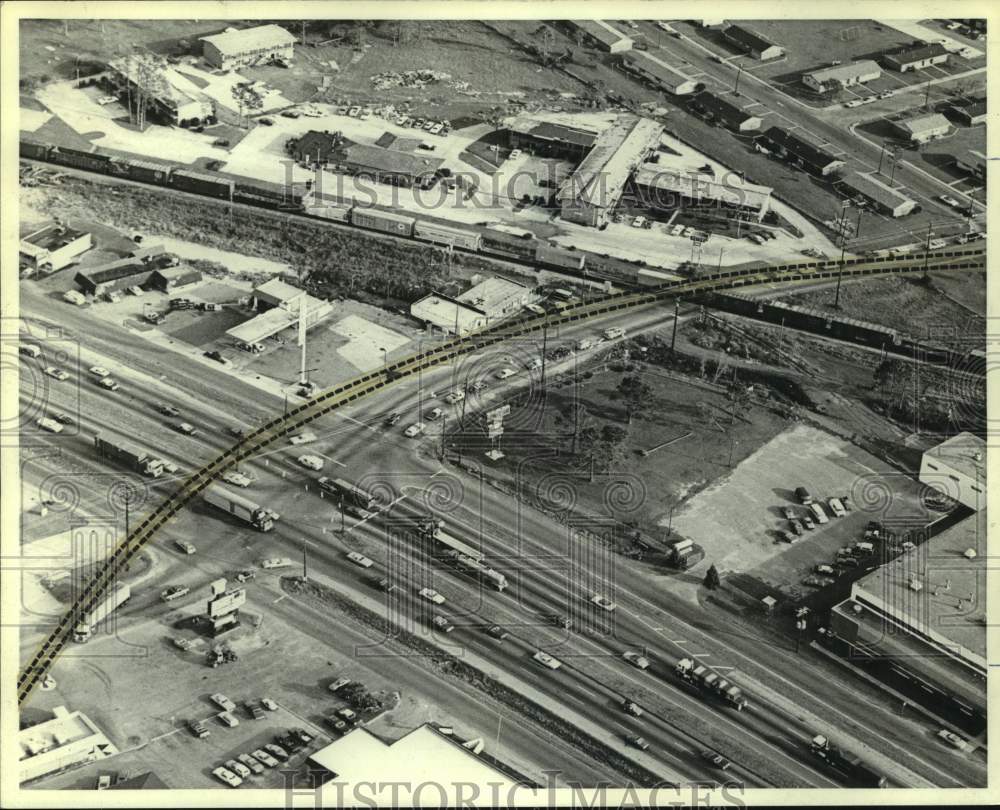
column 343, row 395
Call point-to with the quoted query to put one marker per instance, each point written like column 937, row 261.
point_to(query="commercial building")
column 916, row 57
column 837, row 77
column 54, row 246
column 314, row 148
column 144, row 781
column 387, row 165
column 717, row 109
column 888, row 200
column 482, row 304
column 170, row 278
column 279, row 305
column 970, row 111
column 974, row 163
column 660, row 75
column 498, row 297
column 796, row 150
column 124, row 273
column 751, row 42
column 602, row 35
column 418, row 759
column 448, row 314
column 957, row 467
column 591, row 193
column 667, row 188
column 549, row 138
column 259, row 45
column 176, row 98
column 924, row 128
column 68, row 739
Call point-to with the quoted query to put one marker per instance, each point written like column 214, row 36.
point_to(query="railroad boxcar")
column 445, row 235
column 91, row 159
column 34, row 149
column 272, row 195
column 202, row 183
column 559, row 258
column 384, row 221
column 606, row 268
column 147, row 171
column 504, row 243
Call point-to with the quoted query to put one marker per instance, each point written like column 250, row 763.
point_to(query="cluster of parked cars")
column 761, row 237
column 269, row 755
column 801, row 520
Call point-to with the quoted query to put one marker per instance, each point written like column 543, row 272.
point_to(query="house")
column 837, row 77
column 314, row 148
column 888, row 200
column 664, row 188
column 916, row 57
column 970, row 111
column 974, row 163
column 924, row 128
column 716, row 108
column 749, row 41
column 602, row 35
column 259, row 45
column 170, row 278
column 796, row 150
column 54, row 246
column 660, row 75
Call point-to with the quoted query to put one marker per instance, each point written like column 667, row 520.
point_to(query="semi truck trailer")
column 108, row 605
column 241, row 507
column 704, row 679
column 857, row 773
column 129, row 456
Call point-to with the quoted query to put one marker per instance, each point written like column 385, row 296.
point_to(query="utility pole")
column 305, row 563
column 892, row 171
column 343, row 520
column 927, row 95
column 720, row 259
column 444, row 433
column 303, row 375
column 736, row 88
column 673, row 338
column 927, row 248
column 545, row 345
column 843, row 248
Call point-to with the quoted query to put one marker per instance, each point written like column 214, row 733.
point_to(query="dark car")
column 497, row 632
column 803, row 496
column 393, row 418
column 63, row 418
column 796, row 527
column 167, row 410
column 637, row 742
column 717, row 760
column 267, row 122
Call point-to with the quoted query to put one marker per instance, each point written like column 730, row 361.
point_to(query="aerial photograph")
column 495, row 411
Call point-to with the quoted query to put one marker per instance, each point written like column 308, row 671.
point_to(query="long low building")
column 53, row 246
column 549, row 138
column 236, row 47
column 924, row 128
column 888, row 200
column 916, row 57
column 796, row 150
column 67, row 739
column 591, row 193
column 751, row 42
column 451, row 316
column 659, row 187
column 717, row 109
column 970, row 111
column 659, row 74
column 279, row 306
column 973, row 162
column 603, row 35
column 387, row 165
column 837, row 77
column 957, row 467
column 131, row 271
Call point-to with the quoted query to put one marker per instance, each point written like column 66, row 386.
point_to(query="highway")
column 213, row 427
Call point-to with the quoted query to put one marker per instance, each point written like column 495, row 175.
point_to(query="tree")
column 636, row 394
column 144, row 83
column 888, row 372
column 590, row 445
column 712, row 579
column 247, row 100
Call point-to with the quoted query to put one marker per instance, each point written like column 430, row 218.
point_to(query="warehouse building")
column 718, row 110
column 314, row 148
column 448, row 314
column 970, row 111
column 176, row 99
column 548, row 138
column 659, row 75
column 885, row 199
column 838, row 77
column 54, row 246
column 387, row 165
column 916, row 57
column 68, row 739
column 749, row 41
column 591, row 193
column 498, row 297
column 666, row 189
column 259, row 45
column 121, row 274
column 602, row 35
column 957, row 467
column 973, row 163
column 924, row 128
column 796, row 150
column 170, row 278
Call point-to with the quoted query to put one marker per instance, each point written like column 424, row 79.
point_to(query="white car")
column 455, row 396
column 223, row 702
column 855, row 103
column 311, row 462
column 953, row 739
column 514, row 154
column 186, row 428
column 229, row 719
column 338, row 684
column 432, row 596
column 275, row 562
column 302, row 438
column 174, row 592
column 547, row 660
column 360, row 559
column 236, row 479
column 251, row 763
column 99, row 371
column 109, row 384
column 266, row 758
column 836, row 507
column 238, row 768
column 603, row 602
column 414, row 430
column 227, row 776
column 433, row 414
column 276, row 750
column 504, row 373
column 56, row 373
column 636, row 660
column 185, row 546
column 50, row 425
column 950, row 201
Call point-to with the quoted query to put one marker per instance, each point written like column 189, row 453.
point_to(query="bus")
column 351, row 494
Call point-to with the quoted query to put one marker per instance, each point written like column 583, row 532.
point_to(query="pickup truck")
column 174, row 592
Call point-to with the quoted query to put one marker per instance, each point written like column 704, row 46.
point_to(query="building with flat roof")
column 957, row 467
column 387, row 165
column 549, row 138
column 591, row 193
column 970, row 111
column 972, row 162
column 916, row 56
column 279, row 305
column 424, row 756
column 498, row 297
column 717, row 109
column 177, row 99
column 68, row 739
column 749, row 41
column 837, row 77
column 887, row 200
column 259, row 45
column 660, row 75
column 795, row 149
column 661, row 188
column 54, row 246
column 603, row 35
column 451, row 316
column 924, row 128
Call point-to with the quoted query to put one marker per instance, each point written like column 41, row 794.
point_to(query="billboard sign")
column 226, row 603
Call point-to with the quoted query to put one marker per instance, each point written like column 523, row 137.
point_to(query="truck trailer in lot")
column 104, row 608
column 241, row 507
column 857, row 772
column 128, row 455
column 703, row 678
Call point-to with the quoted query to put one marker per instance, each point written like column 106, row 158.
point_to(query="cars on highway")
column 109, row 384
column 632, row 708
column 950, row 201
column 717, row 760
column 253, row 764
column 432, row 596
column 165, row 409
column 50, row 425
column 63, row 418
column 414, row 430
column 433, row 414
column 311, row 462
column 99, row 371
column 547, row 660
column 56, row 373
column 275, row 562
column 360, row 559
column 393, row 418
column 504, row 373
column 952, row 739
column 302, row 438
column 237, row 479
column 227, row 776
column 442, row 624
column 636, row 660
column 636, row 741
column 603, row 602
column 186, row 428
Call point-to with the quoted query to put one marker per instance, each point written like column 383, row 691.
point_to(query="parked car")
column 807, row 521
column 227, row 776
column 253, row 764
column 265, row 758
column 836, row 507
column 269, row 704
column 433, row 414
column 228, row 719
column 223, row 702
column 277, row 751
column 267, row 122
column 788, row 512
column 243, row 576
column 338, row 684
column 238, row 768
column 796, row 527
column 174, row 592
column 185, row 546
column 199, row 729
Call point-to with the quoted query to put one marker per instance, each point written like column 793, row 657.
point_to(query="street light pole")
column 739, row 72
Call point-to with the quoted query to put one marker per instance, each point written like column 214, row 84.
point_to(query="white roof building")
column 247, row 46
column 957, row 467
column 496, row 296
column 69, row 738
column 283, row 302
column 731, row 191
column 448, row 314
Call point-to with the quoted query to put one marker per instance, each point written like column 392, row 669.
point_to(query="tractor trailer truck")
column 704, row 679
column 241, row 507
column 108, row 605
column 129, row 456
column 857, row 773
